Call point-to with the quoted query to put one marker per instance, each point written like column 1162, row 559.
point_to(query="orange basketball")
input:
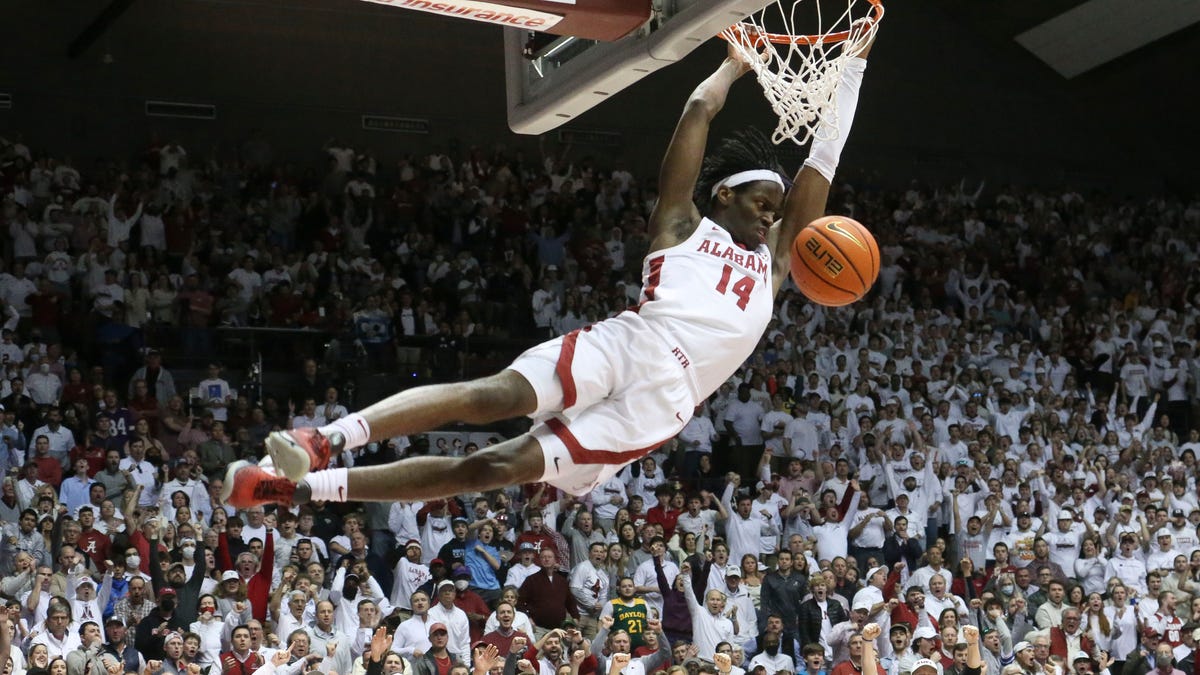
column 834, row 261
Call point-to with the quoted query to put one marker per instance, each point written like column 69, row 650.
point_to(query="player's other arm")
column 676, row 215
column 806, row 200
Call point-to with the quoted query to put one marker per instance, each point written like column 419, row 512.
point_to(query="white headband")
column 743, row 177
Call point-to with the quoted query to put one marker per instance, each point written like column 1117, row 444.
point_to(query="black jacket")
column 781, row 595
column 809, row 620
column 151, row 645
column 894, row 550
column 427, row 664
column 1136, row 663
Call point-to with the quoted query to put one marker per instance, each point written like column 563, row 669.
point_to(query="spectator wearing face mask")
column 210, row 629
column 153, row 630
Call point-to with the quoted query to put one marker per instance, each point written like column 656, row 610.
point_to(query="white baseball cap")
column 923, row 663
column 926, row 632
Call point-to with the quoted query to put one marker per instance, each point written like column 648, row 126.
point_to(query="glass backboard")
column 553, row 79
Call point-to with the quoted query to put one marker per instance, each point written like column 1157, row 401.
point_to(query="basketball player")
column 608, row 394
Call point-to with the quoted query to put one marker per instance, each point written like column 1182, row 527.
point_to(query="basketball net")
column 799, row 73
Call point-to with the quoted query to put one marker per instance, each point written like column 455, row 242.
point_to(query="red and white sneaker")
column 249, row 485
column 299, row 451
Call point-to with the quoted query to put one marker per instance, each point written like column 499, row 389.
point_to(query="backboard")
column 604, row 46
column 590, row 19
column 552, row 81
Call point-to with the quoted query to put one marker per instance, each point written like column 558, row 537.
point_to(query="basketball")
column 834, row 261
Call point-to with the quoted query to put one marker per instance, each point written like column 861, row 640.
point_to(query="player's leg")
column 516, row 461
column 483, row 401
column 502, row 396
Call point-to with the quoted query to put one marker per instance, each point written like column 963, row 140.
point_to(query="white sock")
column 330, row 485
column 353, row 428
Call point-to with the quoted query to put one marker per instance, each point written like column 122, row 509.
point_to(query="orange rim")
column 751, row 36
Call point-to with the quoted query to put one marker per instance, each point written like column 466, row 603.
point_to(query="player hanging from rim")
column 607, row 395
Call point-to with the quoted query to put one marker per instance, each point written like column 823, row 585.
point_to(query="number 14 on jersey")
column 741, row 288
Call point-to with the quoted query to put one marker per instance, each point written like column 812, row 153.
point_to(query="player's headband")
column 743, row 177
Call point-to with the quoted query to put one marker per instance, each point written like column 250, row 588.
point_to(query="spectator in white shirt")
column 833, row 534
column 743, row 529
column 216, row 393
column 644, row 484
column 119, row 222
column 1065, row 540
column 710, row 627
column 743, row 423
column 867, row 534
column 590, row 586
column 412, row 635
column 771, row 659
column 774, row 425
column 309, row 417
column 331, row 410
column 546, row 305
column 525, row 567
column 697, row 437
column 608, row 498
column 24, row 234
column 410, row 574
column 171, row 158
column 249, row 281
column 61, row 439
column 801, row 437
column 699, row 520
column 741, row 606
column 43, row 386
column 455, row 619
column 1127, row 567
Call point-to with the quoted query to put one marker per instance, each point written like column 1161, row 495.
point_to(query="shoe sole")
column 290, row 460
column 227, row 487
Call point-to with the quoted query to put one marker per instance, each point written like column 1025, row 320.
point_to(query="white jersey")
column 712, row 299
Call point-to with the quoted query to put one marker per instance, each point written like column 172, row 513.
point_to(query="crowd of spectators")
column 1002, row 437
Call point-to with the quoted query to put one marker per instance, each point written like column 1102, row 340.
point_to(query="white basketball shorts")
column 607, row 394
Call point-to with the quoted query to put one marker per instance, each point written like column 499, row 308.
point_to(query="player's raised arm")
column 675, row 215
column 806, row 200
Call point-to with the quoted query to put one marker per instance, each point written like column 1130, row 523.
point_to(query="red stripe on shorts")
column 563, row 368
column 652, row 278
column 582, row 455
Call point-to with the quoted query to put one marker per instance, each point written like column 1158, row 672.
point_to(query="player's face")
column 750, row 211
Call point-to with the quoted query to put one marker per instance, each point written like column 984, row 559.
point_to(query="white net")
column 798, row 69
